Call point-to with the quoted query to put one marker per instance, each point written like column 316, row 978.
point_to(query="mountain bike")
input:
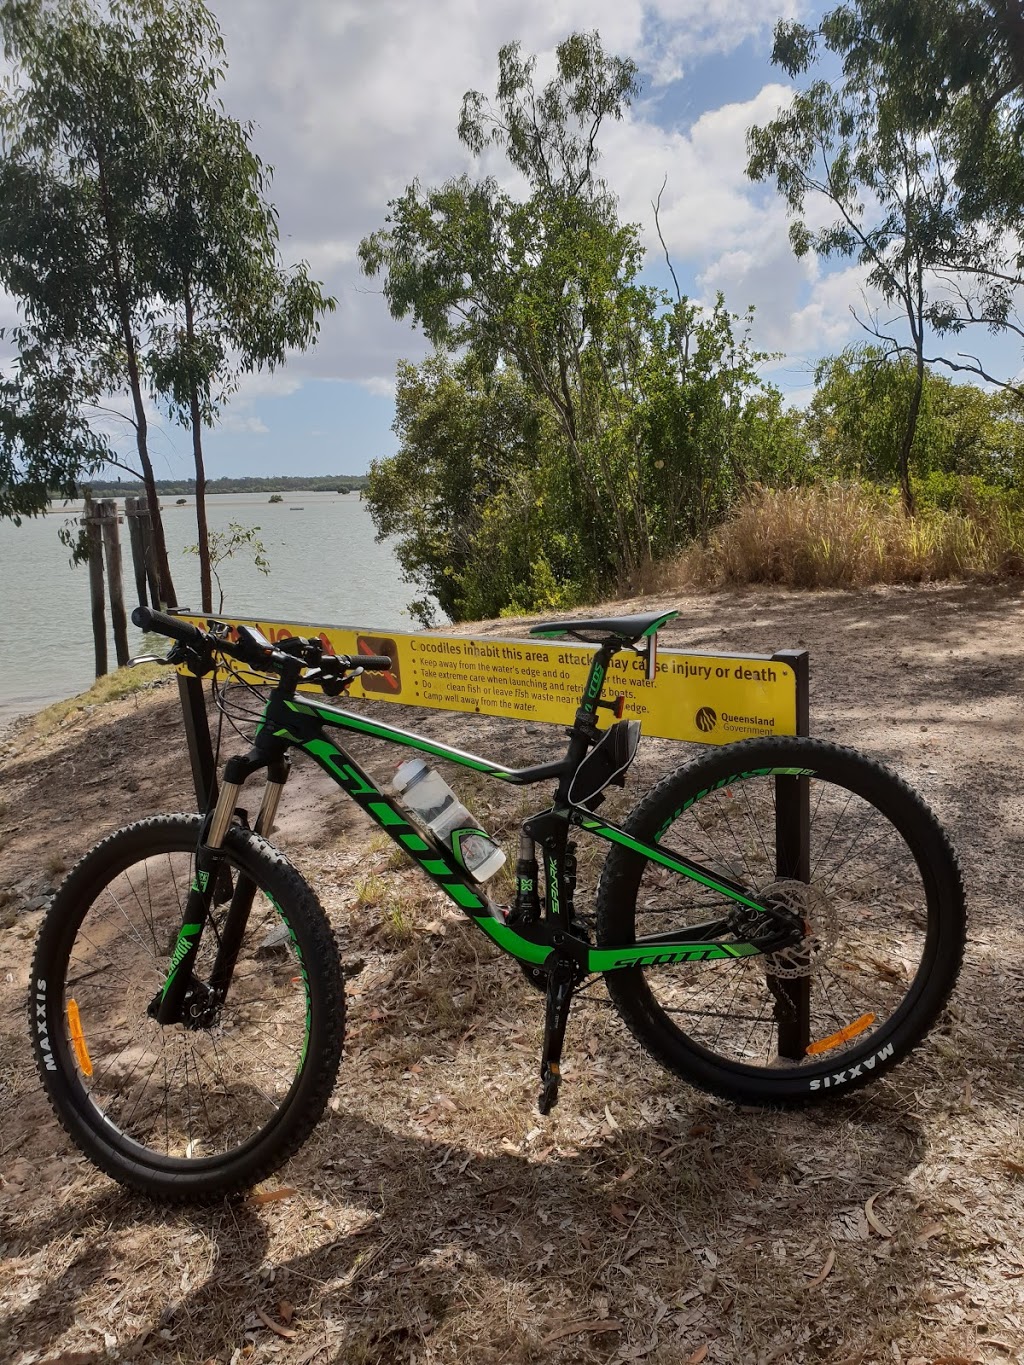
column 187, row 999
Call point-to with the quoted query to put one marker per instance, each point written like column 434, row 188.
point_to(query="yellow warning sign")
column 711, row 698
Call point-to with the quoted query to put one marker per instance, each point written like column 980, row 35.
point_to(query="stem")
column 205, row 581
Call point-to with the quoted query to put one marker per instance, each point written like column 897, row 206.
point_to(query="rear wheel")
column 198, row 1110
column 879, row 900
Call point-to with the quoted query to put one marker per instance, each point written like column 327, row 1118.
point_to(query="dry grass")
column 435, row 1218
column 111, row 687
column 838, row 535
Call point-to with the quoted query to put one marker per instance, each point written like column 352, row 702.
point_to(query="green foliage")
column 45, row 443
column 471, row 494
column 226, row 544
column 78, row 121
column 636, row 417
column 857, row 418
column 928, row 119
column 953, row 69
column 134, row 235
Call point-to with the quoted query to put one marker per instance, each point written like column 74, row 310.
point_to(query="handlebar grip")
column 373, row 663
column 171, row 626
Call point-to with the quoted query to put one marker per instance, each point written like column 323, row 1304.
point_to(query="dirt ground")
column 433, row 1216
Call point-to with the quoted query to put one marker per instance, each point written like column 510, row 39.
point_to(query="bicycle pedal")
column 548, row 1097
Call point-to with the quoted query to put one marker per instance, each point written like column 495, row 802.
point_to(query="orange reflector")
column 78, row 1038
column 843, row 1036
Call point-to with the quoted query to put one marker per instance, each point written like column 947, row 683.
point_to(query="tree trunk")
column 135, row 385
column 906, row 492
column 205, row 577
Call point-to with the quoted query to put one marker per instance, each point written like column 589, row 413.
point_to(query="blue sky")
column 353, row 100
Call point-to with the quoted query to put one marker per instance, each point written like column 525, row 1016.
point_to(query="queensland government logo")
column 706, row 719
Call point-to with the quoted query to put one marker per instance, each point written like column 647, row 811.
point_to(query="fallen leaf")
column 603, row 1325
column 873, row 1218
column 276, row 1327
column 1015, row 1167
column 620, row 1215
column 271, row 1196
column 699, row 1354
column 824, row 1272
column 285, row 1311
column 930, row 1230
column 74, row 1358
column 626, row 1175
column 610, row 1119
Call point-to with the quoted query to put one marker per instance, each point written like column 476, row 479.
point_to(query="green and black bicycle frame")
column 539, row 932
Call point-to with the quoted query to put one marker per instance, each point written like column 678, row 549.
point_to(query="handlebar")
column 254, row 649
column 159, row 623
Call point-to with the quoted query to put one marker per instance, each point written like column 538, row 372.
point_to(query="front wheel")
column 206, row 1107
column 874, row 886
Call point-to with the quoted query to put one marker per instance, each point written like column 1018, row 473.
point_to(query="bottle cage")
column 606, row 763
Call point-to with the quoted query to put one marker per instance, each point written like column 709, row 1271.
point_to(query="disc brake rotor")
column 820, row 920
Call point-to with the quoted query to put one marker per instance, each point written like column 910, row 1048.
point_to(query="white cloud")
column 708, row 205
column 236, row 422
column 353, row 101
column 380, row 388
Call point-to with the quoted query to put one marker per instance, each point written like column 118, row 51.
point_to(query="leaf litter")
column 641, row 1221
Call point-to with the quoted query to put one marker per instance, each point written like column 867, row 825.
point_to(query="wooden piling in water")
column 112, row 551
column 149, row 553
column 99, row 615
column 132, row 517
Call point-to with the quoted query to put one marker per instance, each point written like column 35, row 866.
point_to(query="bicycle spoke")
column 859, row 863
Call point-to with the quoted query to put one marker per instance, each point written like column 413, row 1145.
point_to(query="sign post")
column 793, row 862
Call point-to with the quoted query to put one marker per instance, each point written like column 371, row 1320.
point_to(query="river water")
column 325, row 567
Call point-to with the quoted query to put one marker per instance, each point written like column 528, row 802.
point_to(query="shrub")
column 849, row 535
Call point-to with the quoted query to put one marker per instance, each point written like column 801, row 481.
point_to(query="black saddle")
column 625, row 630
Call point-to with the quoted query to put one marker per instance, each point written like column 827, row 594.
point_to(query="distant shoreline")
column 275, row 483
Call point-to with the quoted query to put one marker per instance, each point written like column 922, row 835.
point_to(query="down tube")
column 431, row 857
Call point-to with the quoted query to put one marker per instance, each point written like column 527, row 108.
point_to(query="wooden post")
column 131, row 514
column 793, row 863
column 149, row 553
column 99, row 615
column 112, row 549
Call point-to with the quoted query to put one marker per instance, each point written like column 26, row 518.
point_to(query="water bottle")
column 428, row 797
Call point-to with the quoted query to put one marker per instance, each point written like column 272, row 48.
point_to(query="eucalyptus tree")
column 938, row 85
column 134, row 233
column 647, row 399
column 953, row 69
column 890, row 201
column 231, row 306
column 45, row 443
column 546, row 283
column 75, row 170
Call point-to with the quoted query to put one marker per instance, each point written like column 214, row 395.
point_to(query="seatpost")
column 584, row 727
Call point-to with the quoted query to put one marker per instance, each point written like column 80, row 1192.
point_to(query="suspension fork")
column 244, row 893
column 167, row 1007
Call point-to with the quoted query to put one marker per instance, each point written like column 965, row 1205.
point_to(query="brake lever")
column 149, row 659
column 339, row 683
